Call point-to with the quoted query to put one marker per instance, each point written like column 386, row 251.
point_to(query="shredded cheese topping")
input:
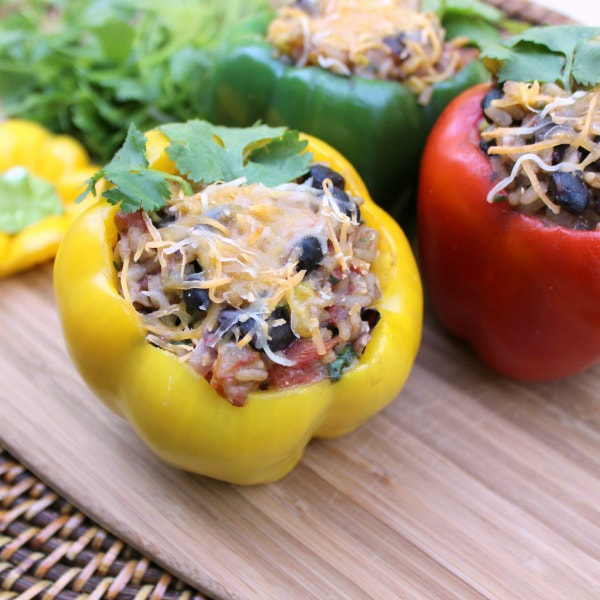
column 383, row 39
column 545, row 147
column 241, row 250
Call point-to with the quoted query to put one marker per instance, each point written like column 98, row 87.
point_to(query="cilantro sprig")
column 90, row 67
column 479, row 22
column 25, row 200
column 203, row 153
column 564, row 54
column 206, row 153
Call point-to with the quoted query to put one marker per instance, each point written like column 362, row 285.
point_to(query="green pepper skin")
column 378, row 125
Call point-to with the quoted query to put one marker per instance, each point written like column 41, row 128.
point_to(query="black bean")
column 569, row 191
column 164, row 217
column 345, row 204
column 196, row 301
column 485, row 146
column 281, row 335
column 542, row 132
column 233, row 320
column 595, row 166
column 371, row 316
column 494, row 94
column 320, row 173
column 396, row 44
column 350, row 209
column 340, row 194
column 308, row 6
column 311, row 253
column 583, row 225
column 558, row 153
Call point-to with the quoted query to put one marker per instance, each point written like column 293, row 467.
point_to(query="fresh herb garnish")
column 466, row 8
column 479, row 22
column 565, row 54
column 135, row 185
column 90, row 68
column 206, row 153
column 25, row 200
column 203, row 153
column 344, row 360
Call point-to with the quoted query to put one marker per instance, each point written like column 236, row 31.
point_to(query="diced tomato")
column 307, row 365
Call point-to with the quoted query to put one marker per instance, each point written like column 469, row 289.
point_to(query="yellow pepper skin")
column 62, row 162
column 174, row 410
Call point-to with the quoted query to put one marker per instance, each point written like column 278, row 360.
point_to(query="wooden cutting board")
column 468, row 486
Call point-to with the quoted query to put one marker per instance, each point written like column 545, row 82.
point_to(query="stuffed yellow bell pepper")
column 267, row 300
column 40, row 177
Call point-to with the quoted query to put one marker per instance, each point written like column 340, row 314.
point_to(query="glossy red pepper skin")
column 524, row 295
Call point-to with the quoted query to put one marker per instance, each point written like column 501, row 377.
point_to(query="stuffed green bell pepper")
column 369, row 79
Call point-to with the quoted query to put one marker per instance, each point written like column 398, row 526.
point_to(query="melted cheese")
column 246, row 239
column 567, row 119
column 348, row 37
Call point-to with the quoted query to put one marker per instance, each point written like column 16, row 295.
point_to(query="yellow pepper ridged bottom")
column 175, row 410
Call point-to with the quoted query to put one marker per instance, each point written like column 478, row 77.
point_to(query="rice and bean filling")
column 254, row 287
column 378, row 39
column 544, row 144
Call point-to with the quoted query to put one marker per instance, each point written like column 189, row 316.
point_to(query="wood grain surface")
column 468, row 486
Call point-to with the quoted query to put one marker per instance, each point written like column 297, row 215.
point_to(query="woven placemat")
column 50, row 550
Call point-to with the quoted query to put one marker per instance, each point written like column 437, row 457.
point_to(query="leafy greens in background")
column 479, row 22
column 204, row 153
column 565, row 54
column 89, row 68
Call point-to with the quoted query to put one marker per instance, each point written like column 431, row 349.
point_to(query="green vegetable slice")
column 25, row 200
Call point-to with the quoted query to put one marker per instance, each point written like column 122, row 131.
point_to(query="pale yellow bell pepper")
column 174, row 409
column 57, row 159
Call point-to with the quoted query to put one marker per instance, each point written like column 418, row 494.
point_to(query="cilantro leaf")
column 283, row 155
column 496, row 50
column 198, row 153
column 136, row 186
column 478, row 21
column 558, row 38
column 436, row 6
column 532, row 63
column 586, row 61
column 147, row 190
column 467, row 8
column 565, row 54
column 207, row 153
column 133, row 152
column 25, row 200
column 477, row 30
column 473, row 8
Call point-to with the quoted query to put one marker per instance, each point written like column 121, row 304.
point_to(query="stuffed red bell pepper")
column 509, row 207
